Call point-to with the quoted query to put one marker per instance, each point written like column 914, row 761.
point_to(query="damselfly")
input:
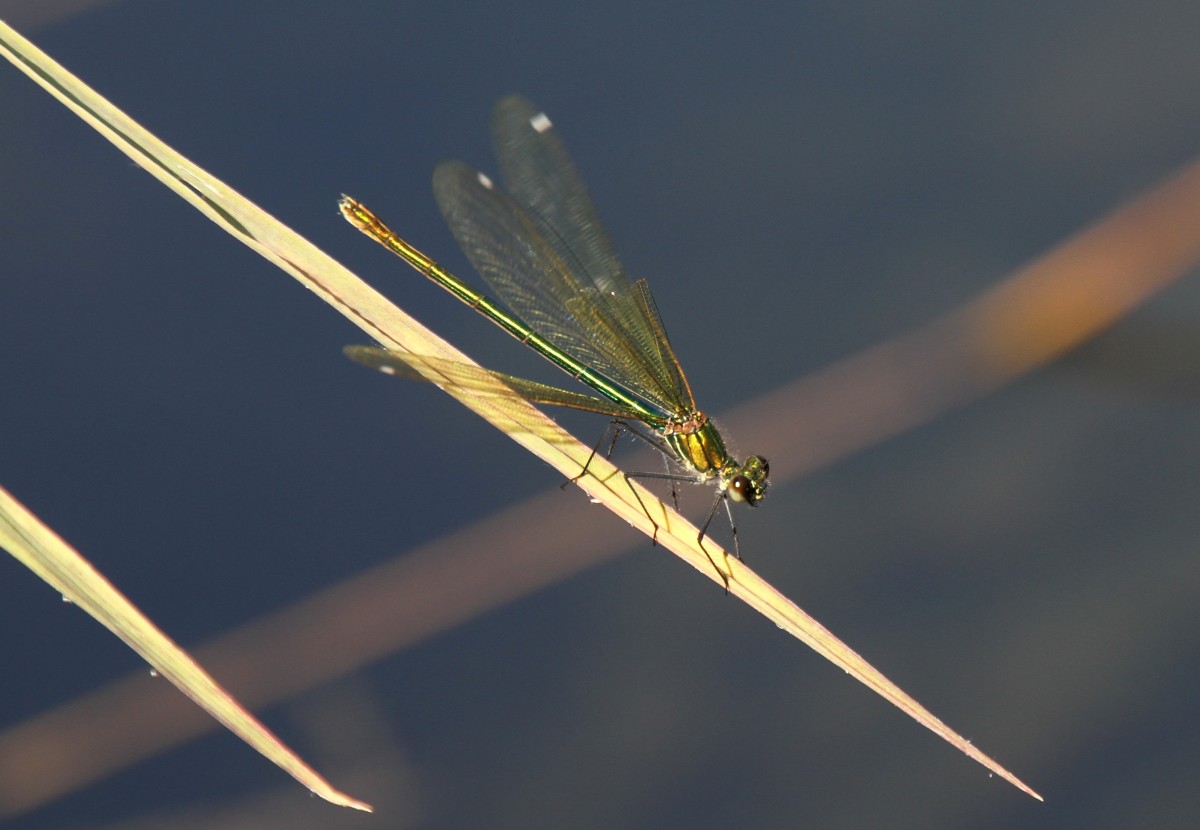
column 543, row 251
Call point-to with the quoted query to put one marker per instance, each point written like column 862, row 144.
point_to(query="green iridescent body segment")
column 542, row 250
column 370, row 224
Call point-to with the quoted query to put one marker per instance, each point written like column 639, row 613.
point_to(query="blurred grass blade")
column 47, row 555
column 391, row 327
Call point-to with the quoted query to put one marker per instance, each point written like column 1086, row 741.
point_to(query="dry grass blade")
column 56, row 562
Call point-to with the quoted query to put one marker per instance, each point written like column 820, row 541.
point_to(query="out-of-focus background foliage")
column 798, row 181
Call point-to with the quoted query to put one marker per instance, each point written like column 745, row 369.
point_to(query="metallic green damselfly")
column 542, row 250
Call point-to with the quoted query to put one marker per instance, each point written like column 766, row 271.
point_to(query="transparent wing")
column 527, row 273
column 483, row 381
column 539, row 175
column 541, row 178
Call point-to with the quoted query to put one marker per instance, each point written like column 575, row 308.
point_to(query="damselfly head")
column 749, row 483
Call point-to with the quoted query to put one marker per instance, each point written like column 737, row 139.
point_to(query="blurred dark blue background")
column 805, row 179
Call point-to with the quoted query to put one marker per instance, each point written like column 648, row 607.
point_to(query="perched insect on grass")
column 543, row 251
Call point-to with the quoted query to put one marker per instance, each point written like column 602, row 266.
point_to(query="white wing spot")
column 485, row 181
column 388, row 370
column 540, row 122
